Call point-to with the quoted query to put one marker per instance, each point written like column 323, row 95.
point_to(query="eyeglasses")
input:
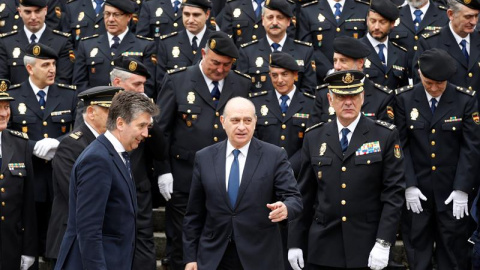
column 115, row 15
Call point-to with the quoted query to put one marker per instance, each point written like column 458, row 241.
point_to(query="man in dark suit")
column 460, row 39
column 245, row 178
column 352, row 183
column 18, row 233
column 191, row 101
column 440, row 132
column 95, row 54
column 387, row 62
column 102, row 205
column 254, row 56
column 45, row 111
column 12, row 44
column 98, row 100
column 350, row 54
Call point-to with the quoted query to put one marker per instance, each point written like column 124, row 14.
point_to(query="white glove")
column 295, row 257
column 412, row 198
column 378, row 258
column 43, row 146
column 460, row 203
column 26, row 262
column 165, row 185
column 50, row 154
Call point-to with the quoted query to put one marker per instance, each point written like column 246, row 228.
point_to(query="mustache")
column 274, row 27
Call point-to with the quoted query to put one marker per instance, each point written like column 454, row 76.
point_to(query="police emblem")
column 264, row 110
column 259, row 62
column 368, row 64
column 397, row 22
column 237, row 12
column 93, row 52
column 300, row 62
column 323, row 148
column 396, row 151
column 36, row 50
column 348, row 78
column 331, row 110
column 176, row 51
column 191, row 97
column 390, row 113
column 81, row 15
column 159, row 12
column 132, row 66
column 16, row 52
column 213, row 44
column 2, row 7
column 22, row 108
column 3, row 86
column 414, row 114
column 476, row 118
column 321, row 18
column 467, row 2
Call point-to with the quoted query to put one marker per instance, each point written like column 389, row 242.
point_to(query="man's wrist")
column 383, row 243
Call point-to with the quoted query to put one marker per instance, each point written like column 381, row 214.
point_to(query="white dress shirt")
column 116, row 144
column 36, row 90
column 350, row 127
column 121, row 36
column 290, row 96
column 209, row 82
column 281, row 43
column 38, row 34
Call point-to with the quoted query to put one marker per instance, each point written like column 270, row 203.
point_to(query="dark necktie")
column 98, row 8
column 275, row 47
column 381, row 46
column 126, row 156
column 418, row 18
column 258, row 10
column 234, row 178
column 344, row 140
column 338, row 12
column 463, row 43
column 284, row 105
column 434, row 105
column 33, row 38
column 176, row 6
column 42, row 95
column 194, row 44
column 215, row 93
column 116, row 42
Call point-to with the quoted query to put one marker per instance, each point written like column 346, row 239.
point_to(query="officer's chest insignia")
column 300, row 62
column 2, row 7
column 368, row 114
column 368, row 148
column 16, row 52
column 93, row 52
column 321, row 18
column 175, row 51
column 259, row 62
column 396, row 151
column 76, row 135
column 414, row 114
column 368, row 64
column 323, row 148
column 22, row 108
column 132, row 53
column 390, row 113
column 13, row 166
column 453, row 119
column 476, row 118
column 191, row 97
column 159, row 12
column 264, row 110
column 301, row 115
column 58, row 113
column 237, row 12
column 81, row 15
column 331, row 110
column 397, row 22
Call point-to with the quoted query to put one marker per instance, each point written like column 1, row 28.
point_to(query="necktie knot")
column 125, row 155
column 337, row 12
column 434, row 104
column 275, row 46
column 33, row 38
column 236, row 152
column 258, row 10
column 116, row 42
column 176, row 6
column 284, row 105
column 345, row 131
column 42, row 95
column 98, row 8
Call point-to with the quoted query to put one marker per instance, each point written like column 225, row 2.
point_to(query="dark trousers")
column 230, row 259
column 319, row 267
column 176, row 209
column 144, row 257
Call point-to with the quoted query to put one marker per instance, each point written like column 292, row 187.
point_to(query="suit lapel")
column 89, row 10
column 333, row 141
column 31, row 100
column 392, row 56
column 296, row 104
column 201, row 87
column 474, row 50
column 184, row 43
column 429, row 17
column 406, row 18
column 421, row 104
column 7, row 151
column 53, row 101
column 104, row 46
column 251, row 164
column 444, row 106
column 227, row 91
column 127, row 43
column 274, row 106
column 453, row 47
column 358, row 137
column 347, row 12
column 327, row 11
column 219, row 158
column 373, row 57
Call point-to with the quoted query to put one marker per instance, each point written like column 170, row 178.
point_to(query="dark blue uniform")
column 157, row 18
column 9, row 18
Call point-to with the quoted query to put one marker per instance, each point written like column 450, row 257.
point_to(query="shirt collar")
column 199, row 35
column 209, row 81
column 95, row 133
column 121, row 36
column 281, row 41
column 115, row 142
column 290, row 95
column 38, row 34
column 332, row 3
column 243, row 150
column 429, row 97
column 36, row 88
column 457, row 37
column 423, row 9
column 352, row 125
column 375, row 42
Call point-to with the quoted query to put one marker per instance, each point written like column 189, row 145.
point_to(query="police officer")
column 97, row 100
column 350, row 54
column 460, row 40
column 158, row 18
column 440, row 132
column 95, row 54
column 352, row 184
column 12, row 44
column 418, row 17
column 192, row 100
column 45, row 111
column 9, row 18
column 183, row 48
column 18, row 231
column 254, row 56
column 387, row 62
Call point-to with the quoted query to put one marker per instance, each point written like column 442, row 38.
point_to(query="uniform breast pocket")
column 15, row 62
column 189, row 113
column 93, row 61
column 358, row 27
column 266, row 121
column 415, row 125
column 398, row 73
column 239, row 24
column 177, row 64
column 320, row 164
column 157, row 21
column 452, row 126
column 320, row 27
column 78, row 25
column 398, row 35
column 300, row 122
column 371, row 73
column 20, row 172
column 368, row 159
column 64, row 120
column 258, row 70
column 24, row 119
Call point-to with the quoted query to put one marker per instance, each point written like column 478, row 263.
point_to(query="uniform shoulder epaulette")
column 442, row 7
column 385, row 124
column 89, row 37
column 76, row 135
column 67, row 86
column 291, row 1
column 398, row 46
column 248, row 43
column 383, row 88
column 322, row 86
column 19, row 134
column 303, row 43
column 15, row 86
column 8, row 34
column 243, row 74
column 431, row 34
column 404, row 89
column 175, row 70
column 168, row 35
column 465, row 90
column 309, row 3
column 313, row 127
column 146, row 38
column 308, row 95
column 228, row 1
column 70, row 1
column 257, row 94
column 363, row 2
column 62, row 33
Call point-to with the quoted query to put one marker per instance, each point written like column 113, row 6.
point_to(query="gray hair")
column 29, row 60
column 454, row 5
column 128, row 105
column 121, row 74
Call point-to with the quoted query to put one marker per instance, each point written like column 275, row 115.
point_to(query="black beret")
column 123, row 5
column 437, row 64
column 280, row 5
column 345, row 82
column 222, row 44
column 132, row 65
column 203, row 4
column 283, row 60
column 473, row 4
column 4, row 85
column 40, row 51
column 33, row 3
column 350, row 47
column 386, row 9
column 99, row 95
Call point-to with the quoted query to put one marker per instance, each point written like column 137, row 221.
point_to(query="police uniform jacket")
column 254, row 61
column 190, row 120
column 318, row 26
column 9, row 18
column 396, row 73
column 80, row 20
column 350, row 198
column 377, row 104
column 94, row 60
column 157, row 18
column 67, row 153
column 52, row 122
column 13, row 44
column 442, row 148
column 404, row 33
column 284, row 131
column 18, row 229
column 468, row 73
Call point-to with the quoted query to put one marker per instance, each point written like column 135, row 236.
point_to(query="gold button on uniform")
column 217, row 114
column 24, row 122
column 434, row 168
column 433, row 142
column 215, row 126
column 45, row 123
column 255, row 26
column 3, row 203
column 415, row 48
column 16, row 17
column 343, row 202
column 344, row 185
column 215, row 139
column 3, row 218
column 284, row 126
column 433, row 130
column 470, row 74
column 1, row 176
column 45, row 135
column 411, row 127
column 433, row 155
column 368, row 161
column 416, row 37
column 96, row 26
column 175, row 24
column 344, row 218
column 2, row 189
column 344, row 169
column 282, row 137
column 454, row 128
column 254, row 37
